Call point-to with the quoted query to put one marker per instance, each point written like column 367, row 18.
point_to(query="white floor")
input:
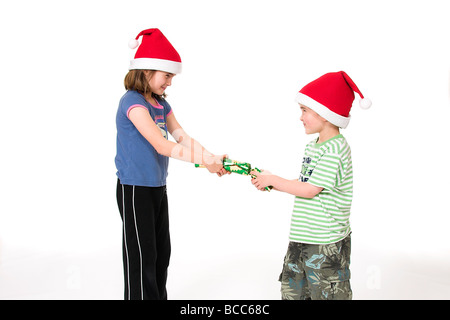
column 98, row 275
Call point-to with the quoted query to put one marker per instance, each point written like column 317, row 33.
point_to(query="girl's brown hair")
column 136, row 80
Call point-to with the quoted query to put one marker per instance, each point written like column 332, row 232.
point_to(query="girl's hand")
column 214, row 164
column 223, row 172
column 262, row 179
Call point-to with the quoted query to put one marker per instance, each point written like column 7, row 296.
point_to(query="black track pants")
column 146, row 241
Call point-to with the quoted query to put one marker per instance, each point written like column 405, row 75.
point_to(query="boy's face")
column 312, row 122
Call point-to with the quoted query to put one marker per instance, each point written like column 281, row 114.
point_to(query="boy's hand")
column 262, row 179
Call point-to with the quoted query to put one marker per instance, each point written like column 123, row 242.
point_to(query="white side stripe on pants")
column 139, row 246
column 125, row 242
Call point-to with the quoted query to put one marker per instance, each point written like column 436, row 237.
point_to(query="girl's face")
column 312, row 122
column 159, row 81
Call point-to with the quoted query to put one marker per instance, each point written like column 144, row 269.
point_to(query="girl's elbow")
column 165, row 151
column 163, row 148
column 161, row 151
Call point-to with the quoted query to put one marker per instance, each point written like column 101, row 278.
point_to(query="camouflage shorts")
column 317, row 271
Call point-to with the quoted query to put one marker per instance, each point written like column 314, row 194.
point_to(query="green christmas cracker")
column 243, row 168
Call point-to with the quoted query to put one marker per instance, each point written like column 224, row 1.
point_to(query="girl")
column 143, row 120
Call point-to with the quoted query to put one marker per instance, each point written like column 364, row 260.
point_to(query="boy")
column 316, row 265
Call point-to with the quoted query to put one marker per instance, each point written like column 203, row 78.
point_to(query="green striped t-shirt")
column 325, row 218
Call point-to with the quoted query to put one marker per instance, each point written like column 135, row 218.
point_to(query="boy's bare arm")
column 294, row 187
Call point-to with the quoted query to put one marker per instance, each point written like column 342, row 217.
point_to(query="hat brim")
column 324, row 112
column 155, row 64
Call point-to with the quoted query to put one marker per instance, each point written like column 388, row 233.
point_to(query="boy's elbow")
column 310, row 195
column 306, row 195
column 312, row 191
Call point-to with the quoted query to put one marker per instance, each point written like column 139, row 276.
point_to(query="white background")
column 63, row 63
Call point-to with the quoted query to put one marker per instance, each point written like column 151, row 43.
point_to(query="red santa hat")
column 331, row 96
column 154, row 53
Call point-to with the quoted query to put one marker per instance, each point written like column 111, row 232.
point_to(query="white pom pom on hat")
column 133, row 43
column 365, row 103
